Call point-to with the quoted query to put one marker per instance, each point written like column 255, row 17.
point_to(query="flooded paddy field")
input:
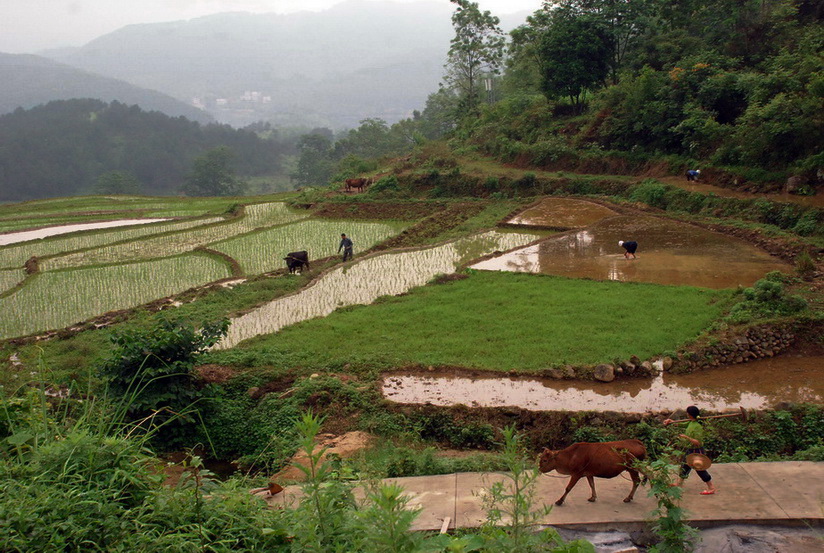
column 263, row 251
column 365, row 280
column 255, row 216
column 17, row 254
column 669, row 252
column 57, row 299
column 757, row 385
column 562, row 213
column 9, row 278
column 38, row 234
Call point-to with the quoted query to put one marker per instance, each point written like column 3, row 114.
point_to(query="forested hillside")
column 712, row 82
column 64, row 147
column 27, row 81
column 604, row 86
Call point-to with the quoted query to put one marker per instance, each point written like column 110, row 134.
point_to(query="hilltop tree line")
column 737, row 84
column 87, row 146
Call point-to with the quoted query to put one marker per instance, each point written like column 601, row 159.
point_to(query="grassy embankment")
column 496, row 321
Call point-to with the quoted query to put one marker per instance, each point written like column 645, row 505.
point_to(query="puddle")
column 562, row 213
column 26, row 235
column 366, row 280
column 756, row 385
column 669, row 252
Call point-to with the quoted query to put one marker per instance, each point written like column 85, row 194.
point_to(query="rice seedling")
column 256, row 216
column 15, row 255
column 263, row 251
column 58, row 299
column 9, row 278
column 364, row 281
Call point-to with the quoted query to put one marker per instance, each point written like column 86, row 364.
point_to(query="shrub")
column 150, row 370
column 767, row 298
column 650, row 192
column 804, row 265
column 385, row 184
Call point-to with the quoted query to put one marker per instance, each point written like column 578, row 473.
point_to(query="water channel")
column 36, row 234
column 363, row 281
column 757, row 385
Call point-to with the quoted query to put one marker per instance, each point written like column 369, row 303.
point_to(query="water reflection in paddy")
column 36, row 234
column 364, row 281
column 562, row 213
column 669, row 252
column 757, row 385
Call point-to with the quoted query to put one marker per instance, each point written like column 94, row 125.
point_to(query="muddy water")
column 23, row 236
column 669, row 252
column 757, row 385
column 562, row 213
column 363, row 281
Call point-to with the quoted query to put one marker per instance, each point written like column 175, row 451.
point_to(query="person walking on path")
column 693, row 174
column 630, row 247
column 693, row 440
column 345, row 244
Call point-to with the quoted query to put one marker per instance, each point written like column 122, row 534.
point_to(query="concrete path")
column 785, row 493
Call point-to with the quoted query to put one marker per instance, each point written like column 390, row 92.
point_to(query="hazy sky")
column 27, row 26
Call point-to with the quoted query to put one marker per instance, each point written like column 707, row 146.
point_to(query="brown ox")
column 356, row 184
column 604, row 460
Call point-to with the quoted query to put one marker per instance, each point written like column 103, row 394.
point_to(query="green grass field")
column 500, row 321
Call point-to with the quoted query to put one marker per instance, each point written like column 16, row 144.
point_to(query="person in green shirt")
column 693, row 440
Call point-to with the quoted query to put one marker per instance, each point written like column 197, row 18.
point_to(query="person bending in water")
column 693, row 440
column 630, row 246
column 693, row 174
column 346, row 245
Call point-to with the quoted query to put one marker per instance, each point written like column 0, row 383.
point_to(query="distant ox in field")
column 604, row 460
column 296, row 261
column 357, row 184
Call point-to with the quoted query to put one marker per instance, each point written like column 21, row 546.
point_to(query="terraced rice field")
column 365, row 280
column 56, row 299
column 86, row 274
column 15, row 255
column 263, row 251
column 256, row 216
column 9, row 278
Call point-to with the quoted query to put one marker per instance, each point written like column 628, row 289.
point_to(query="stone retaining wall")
column 755, row 343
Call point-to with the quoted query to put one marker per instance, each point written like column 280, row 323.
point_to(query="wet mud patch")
column 669, row 252
column 561, row 214
column 757, row 385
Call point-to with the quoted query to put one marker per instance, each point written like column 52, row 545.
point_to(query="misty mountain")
column 356, row 60
column 27, row 81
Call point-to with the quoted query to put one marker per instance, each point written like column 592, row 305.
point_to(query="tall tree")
column 212, row 175
column 117, row 182
column 315, row 165
column 477, row 51
column 576, row 56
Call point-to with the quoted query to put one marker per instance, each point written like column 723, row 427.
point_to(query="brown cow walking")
column 604, row 460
